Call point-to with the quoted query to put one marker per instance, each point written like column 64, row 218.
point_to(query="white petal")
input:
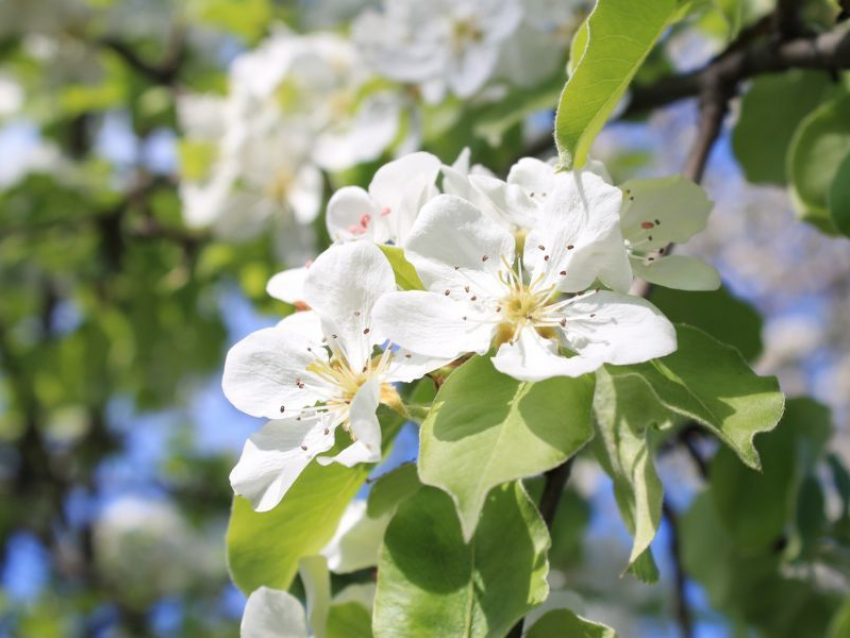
column 356, row 541
column 461, row 164
column 509, row 202
column 405, row 366
column 305, row 196
column 262, row 373
column 678, row 271
column 680, row 206
column 471, row 68
column 616, row 328
column 271, row 613
column 365, row 428
column 454, row 245
column 535, row 177
column 578, row 233
column 305, row 323
column 433, row 325
column 351, row 213
column 533, row 358
column 288, row 286
column 391, row 182
column 274, row 457
column 343, row 285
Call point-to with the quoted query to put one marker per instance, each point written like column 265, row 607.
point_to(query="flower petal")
column 274, row 458
column 305, row 323
column 405, row 366
column 305, row 196
column 577, row 236
column 433, row 325
column 533, row 358
column 357, row 540
column 351, row 212
column 264, row 373
column 616, row 328
column 668, row 209
column 288, row 286
column 272, row 613
column 391, row 182
column 677, row 271
column 343, row 285
column 453, row 245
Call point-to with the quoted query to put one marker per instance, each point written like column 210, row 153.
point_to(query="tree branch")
column 683, row 611
column 828, row 51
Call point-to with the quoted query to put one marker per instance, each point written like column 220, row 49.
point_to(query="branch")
column 828, row 51
column 683, row 611
column 166, row 72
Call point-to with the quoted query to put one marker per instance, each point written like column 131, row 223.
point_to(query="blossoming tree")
column 421, row 199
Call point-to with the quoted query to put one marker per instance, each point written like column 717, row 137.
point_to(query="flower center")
column 465, row 32
column 523, row 305
column 278, row 187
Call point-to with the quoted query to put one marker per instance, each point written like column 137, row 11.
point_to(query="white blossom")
column 441, row 45
column 316, row 371
column 481, row 294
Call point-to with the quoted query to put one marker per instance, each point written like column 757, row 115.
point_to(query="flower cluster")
column 533, row 271
column 300, row 104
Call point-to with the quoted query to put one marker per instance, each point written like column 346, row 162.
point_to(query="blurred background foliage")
column 115, row 443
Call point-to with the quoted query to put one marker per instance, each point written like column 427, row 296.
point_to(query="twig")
column 683, row 611
column 827, row 51
column 787, row 19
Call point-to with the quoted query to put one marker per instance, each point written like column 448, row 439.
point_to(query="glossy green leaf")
column 432, row 583
column 717, row 312
column 486, row 428
column 839, row 197
column 758, row 507
column 620, row 34
column 405, row 274
column 560, row 623
column 770, row 113
column 821, row 143
column 709, row 382
column 625, row 411
column 264, row 548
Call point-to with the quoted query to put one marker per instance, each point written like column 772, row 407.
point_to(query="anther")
column 304, row 447
column 282, row 408
column 563, row 273
column 647, row 225
column 408, row 356
column 464, row 318
column 484, row 257
column 356, row 313
column 563, row 323
column 657, row 222
column 545, row 257
column 570, row 247
column 447, row 292
column 466, row 288
column 366, row 331
column 541, row 247
column 592, row 315
column 474, row 298
column 327, row 431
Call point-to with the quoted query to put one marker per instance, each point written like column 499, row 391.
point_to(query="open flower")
column 386, row 212
column 657, row 213
column 481, row 294
column 316, row 371
column 439, row 45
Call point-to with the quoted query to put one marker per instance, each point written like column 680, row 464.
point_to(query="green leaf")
column 709, row 382
column 716, row 312
column 625, row 411
column 839, row 626
column 405, row 274
column 562, row 623
column 264, row 548
column 770, row 113
column 432, row 583
column 317, row 584
column 758, row 507
column 349, row 620
column 245, row 18
column 839, row 197
column 620, row 34
column 391, row 489
column 486, row 428
column 820, row 144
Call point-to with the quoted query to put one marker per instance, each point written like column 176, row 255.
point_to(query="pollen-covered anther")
column 647, row 225
column 563, row 273
column 447, row 292
column 366, row 331
column 570, row 246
